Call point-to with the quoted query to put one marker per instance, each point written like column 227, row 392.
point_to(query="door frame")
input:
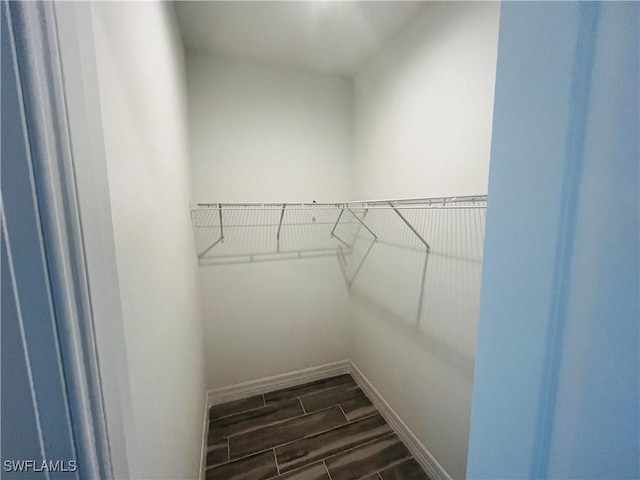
column 67, row 167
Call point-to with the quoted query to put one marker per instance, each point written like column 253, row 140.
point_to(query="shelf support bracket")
column 411, row 227
column 342, row 260
column 335, row 225
column 362, row 223
column 422, row 283
column 341, row 241
column 426, row 259
column 221, row 239
column 284, row 205
column 357, row 232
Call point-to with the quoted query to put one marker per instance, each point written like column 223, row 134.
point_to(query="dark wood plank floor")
column 323, row 430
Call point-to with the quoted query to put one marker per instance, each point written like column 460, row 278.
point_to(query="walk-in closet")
column 336, row 159
column 313, row 176
column 321, row 240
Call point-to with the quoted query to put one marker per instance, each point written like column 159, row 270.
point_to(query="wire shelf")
column 250, row 232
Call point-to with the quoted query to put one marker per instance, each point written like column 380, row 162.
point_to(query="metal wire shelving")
column 252, row 232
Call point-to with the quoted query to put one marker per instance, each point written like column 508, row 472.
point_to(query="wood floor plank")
column 217, row 453
column 285, row 432
column 308, row 450
column 301, row 433
column 366, row 459
column 409, row 470
column 257, row 467
column 253, row 419
column 307, row 388
column 358, row 408
column 332, row 396
column 316, row 471
column 237, row 406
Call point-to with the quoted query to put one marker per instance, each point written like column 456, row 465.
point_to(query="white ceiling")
column 335, row 37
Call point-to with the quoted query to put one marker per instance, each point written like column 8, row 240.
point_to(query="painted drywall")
column 557, row 374
column 422, row 104
column 267, row 134
column 141, row 80
column 422, row 128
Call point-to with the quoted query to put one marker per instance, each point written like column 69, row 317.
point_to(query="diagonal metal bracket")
column 221, row 239
column 333, row 230
column 284, row 205
column 342, row 260
column 411, row 227
column 426, row 259
column 362, row 223
column 335, row 225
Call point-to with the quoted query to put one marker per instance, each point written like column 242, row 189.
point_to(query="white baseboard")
column 428, row 463
column 269, row 384
column 276, row 382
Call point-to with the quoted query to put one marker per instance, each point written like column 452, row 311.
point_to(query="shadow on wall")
column 433, row 299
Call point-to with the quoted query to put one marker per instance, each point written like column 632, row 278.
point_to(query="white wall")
column 424, row 104
column 140, row 72
column 422, row 128
column 259, row 134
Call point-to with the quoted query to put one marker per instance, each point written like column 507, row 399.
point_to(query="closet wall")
column 266, row 134
column 141, row 80
column 423, row 116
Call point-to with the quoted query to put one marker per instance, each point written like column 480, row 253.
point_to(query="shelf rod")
column 284, row 205
column 411, row 227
